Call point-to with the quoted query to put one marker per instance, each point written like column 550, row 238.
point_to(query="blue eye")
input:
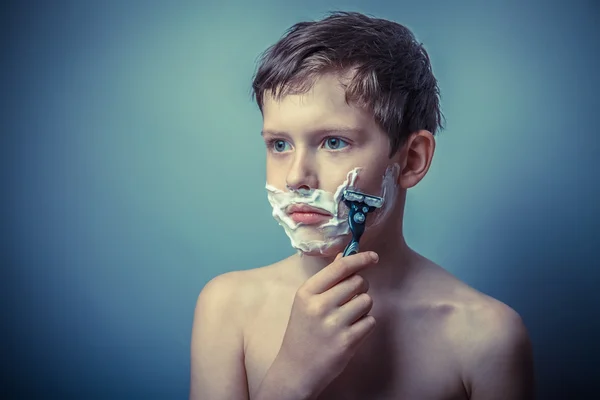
column 279, row 145
column 334, row 143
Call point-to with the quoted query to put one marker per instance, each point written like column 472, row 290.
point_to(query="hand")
column 328, row 322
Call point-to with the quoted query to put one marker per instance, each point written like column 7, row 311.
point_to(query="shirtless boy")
column 351, row 93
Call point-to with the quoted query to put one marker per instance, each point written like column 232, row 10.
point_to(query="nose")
column 302, row 172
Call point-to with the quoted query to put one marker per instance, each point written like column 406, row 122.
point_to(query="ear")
column 415, row 158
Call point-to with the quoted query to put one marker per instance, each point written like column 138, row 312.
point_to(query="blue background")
column 133, row 172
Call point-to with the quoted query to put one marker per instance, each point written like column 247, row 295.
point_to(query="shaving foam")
column 319, row 238
column 389, row 191
column 329, row 233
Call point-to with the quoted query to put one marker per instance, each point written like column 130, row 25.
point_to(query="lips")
column 307, row 215
column 303, row 208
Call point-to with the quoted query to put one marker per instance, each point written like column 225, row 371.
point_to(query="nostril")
column 302, row 190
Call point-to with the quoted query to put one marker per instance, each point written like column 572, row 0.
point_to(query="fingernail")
column 374, row 256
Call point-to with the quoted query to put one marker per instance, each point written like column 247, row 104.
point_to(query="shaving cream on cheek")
column 389, row 191
column 317, row 238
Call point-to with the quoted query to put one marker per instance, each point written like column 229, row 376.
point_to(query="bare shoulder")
column 224, row 307
column 217, row 342
column 466, row 307
column 489, row 338
column 497, row 352
column 485, row 326
column 239, row 291
column 480, row 317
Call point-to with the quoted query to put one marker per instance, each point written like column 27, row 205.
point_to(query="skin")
column 434, row 337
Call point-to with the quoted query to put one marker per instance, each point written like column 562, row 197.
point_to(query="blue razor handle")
column 357, row 217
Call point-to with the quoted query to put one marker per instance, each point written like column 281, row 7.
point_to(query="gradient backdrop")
column 133, row 173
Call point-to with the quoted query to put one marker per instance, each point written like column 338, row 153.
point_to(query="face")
column 318, row 145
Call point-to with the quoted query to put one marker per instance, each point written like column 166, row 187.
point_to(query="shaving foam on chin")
column 328, row 234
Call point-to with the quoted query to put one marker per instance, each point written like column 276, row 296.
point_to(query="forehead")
column 324, row 103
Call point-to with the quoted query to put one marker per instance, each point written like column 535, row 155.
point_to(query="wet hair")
column 389, row 71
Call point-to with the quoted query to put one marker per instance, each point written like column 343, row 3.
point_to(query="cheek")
column 371, row 175
column 274, row 172
column 331, row 179
column 369, row 181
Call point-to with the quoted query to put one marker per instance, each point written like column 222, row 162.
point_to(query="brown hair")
column 391, row 77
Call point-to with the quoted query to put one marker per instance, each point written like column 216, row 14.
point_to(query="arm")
column 217, row 351
column 279, row 383
column 502, row 368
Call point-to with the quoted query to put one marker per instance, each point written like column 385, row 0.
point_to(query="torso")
column 412, row 354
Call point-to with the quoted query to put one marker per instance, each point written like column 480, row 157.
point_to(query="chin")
column 322, row 248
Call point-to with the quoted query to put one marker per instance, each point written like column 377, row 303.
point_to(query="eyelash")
column 271, row 142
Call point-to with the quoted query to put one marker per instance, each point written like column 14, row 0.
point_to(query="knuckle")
column 366, row 285
column 371, row 320
column 302, row 294
column 344, row 265
column 346, row 340
column 357, row 281
column 331, row 322
column 315, row 308
column 366, row 300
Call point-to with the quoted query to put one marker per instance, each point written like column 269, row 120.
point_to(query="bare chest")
column 402, row 359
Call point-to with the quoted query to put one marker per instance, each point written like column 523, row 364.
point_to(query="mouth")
column 301, row 213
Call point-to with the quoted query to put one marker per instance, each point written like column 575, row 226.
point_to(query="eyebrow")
column 322, row 131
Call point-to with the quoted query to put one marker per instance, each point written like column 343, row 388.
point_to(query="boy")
column 351, row 101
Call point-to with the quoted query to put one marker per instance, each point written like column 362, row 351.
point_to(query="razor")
column 360, row 205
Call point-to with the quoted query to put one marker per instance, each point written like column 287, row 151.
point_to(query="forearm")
column 280, row 383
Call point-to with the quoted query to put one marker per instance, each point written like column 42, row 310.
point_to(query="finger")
column 338, row 270
column 345, row 290
column 355, row 309
column 360, row 330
